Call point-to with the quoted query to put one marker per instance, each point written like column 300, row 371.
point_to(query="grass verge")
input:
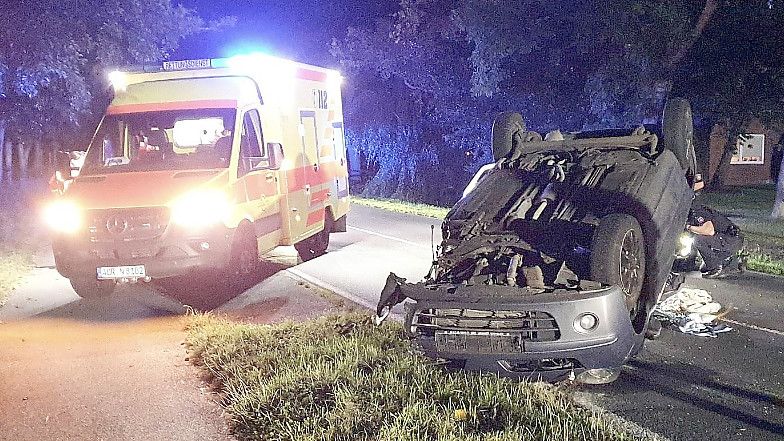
column 403, row 207
column 13, row 266
column 341, row 378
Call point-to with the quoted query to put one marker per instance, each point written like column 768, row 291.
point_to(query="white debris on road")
column 692, row 311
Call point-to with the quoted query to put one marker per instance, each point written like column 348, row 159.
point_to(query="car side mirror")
column 275, row 151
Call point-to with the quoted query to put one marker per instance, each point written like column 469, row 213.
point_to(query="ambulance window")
column 339, row 142
column 251, row 153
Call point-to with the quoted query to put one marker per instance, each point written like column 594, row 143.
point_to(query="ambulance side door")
column 261, row 183
column 311, row 169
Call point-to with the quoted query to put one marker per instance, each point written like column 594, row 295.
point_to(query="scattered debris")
column 692, row 311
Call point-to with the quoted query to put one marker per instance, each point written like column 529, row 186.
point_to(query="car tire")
column 678, row 134
column 91, row 288
column 618, row 257
column 244, row 259
column 505, row 125
column 316, row 245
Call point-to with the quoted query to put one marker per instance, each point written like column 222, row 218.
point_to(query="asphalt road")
column 683, row 387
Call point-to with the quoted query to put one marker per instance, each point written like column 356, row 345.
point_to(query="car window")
column 252, row 154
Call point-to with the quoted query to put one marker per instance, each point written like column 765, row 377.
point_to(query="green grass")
column 741, row 199
column 13, row 266
column 403, row 207
column 341, row 378
column 766, row 253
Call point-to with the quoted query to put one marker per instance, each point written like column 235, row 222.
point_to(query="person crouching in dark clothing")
column 716, row 238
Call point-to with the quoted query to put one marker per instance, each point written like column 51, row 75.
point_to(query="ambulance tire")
column 244, row 259
column 91, row 288
column 315, row 245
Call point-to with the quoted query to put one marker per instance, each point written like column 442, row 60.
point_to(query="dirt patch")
column 14, row 265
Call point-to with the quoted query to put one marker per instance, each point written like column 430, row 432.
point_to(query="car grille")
column 530, row 325
column 127, row 224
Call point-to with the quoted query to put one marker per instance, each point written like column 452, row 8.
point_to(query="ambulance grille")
column 127, row 224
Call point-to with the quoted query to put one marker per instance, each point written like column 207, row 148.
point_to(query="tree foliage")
column 572, row 65
column 54, row 54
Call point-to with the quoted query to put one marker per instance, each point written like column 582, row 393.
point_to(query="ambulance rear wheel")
column 91, row 288
column 315, row 245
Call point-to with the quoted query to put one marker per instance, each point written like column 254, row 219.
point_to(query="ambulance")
column 204, row 165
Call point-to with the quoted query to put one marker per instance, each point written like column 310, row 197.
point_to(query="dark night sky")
column 296, row 29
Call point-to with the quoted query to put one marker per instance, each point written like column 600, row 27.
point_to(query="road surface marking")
column 755, row 327
column 396, row 239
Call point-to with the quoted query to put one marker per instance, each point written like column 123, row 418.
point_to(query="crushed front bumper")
column 505, row 330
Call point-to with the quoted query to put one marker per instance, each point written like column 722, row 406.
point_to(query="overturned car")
column 551, row 265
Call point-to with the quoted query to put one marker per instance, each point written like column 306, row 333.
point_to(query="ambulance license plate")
column 119, row 272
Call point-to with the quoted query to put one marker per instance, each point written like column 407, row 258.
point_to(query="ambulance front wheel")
column 316, row 245
column 244, row 259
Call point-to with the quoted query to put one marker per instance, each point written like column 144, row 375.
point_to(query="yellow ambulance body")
column 205, row 164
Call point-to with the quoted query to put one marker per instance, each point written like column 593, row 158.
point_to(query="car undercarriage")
column 552, row 264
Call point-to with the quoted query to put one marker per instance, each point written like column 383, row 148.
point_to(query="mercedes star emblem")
column 116, row 225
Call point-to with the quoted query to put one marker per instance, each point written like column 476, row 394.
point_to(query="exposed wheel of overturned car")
column 505, row 126
column 91, row 288
column 618, row 257
column 678, row 134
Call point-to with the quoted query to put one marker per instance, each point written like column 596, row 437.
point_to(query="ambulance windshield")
column 164, row 140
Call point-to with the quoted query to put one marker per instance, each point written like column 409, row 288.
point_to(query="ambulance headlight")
column 201, row 208
column 63, row 216
column 686, row 243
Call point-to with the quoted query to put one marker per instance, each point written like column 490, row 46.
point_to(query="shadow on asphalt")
column 164, row 298
column 205, row 292
column 697, row 387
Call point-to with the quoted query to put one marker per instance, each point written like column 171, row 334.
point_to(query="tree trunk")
column 708, row 10
column 719, row 180
column 778, row 206
column 25, row 154
column 16, row 173
column 2, row 149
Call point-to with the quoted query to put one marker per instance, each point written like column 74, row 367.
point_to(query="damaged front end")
column 550, row 266
column 547, row 336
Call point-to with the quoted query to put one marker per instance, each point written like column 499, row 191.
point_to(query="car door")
column 260, row 182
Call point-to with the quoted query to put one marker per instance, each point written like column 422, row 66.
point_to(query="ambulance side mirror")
column 63, row 164
column 275, row 151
